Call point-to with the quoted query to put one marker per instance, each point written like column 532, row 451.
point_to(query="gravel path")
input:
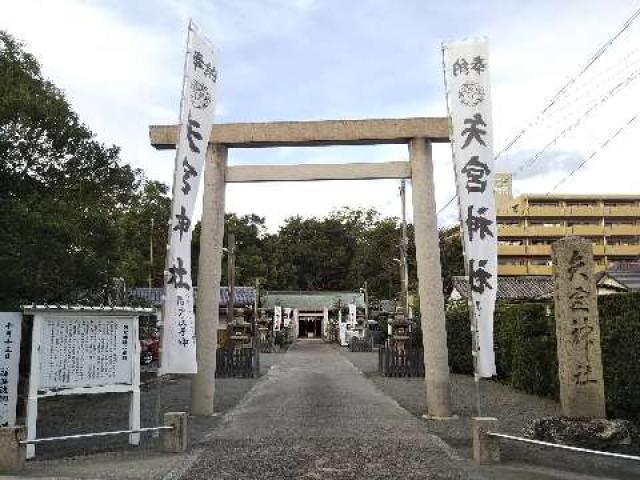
column 513, row 408
column 68, row 415
column 315, row 416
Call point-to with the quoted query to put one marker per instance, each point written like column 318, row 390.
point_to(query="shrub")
column 534, row 364
column 620, row 341
column 459, row 339
column 526, row 353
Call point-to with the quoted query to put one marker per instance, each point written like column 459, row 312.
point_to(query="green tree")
column 143, row 228
column 252, row 260
column 451, row 257
column 61, row 191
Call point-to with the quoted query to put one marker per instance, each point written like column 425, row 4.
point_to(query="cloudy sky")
column 120, row 64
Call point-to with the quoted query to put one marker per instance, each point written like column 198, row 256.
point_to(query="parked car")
column 149, row 350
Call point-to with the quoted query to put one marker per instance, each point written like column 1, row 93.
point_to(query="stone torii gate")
column 417, row 133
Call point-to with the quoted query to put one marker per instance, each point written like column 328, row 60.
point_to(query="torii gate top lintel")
column 314, row 133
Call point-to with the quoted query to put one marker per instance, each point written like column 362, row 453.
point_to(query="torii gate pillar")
column 209, row 271
column 432, row 317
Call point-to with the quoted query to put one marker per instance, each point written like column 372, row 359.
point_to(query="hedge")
column 526, row 355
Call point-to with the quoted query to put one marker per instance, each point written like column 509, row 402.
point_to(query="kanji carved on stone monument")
column 577, row 329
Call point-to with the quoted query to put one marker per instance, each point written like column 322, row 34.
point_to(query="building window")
column 540, row 262
column 510, row 223
column 622, row 241
column 581, row 223
column 543, row 204
column 540, row 241
column 544, row 223
column 510, row 261
column 510, row 242
column 620, row 203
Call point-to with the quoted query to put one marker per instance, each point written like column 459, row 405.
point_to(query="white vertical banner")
column 352, row 314
column 277, row 318
column 287, row 317
column 469, row 100
column 10, row 333
column 196, row 117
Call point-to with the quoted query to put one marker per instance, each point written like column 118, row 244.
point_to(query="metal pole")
column 231, row 274
column 403, row 249
column 96, row 434
column 366, row 301
column 255, row 326
column 564, row 447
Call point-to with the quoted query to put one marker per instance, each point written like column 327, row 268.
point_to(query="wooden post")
column 434, row 333
column 209, row 270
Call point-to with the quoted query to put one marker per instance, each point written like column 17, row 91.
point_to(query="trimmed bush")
column 459, row 339
column 620, row 340
column 534, row 363
column 526, row 353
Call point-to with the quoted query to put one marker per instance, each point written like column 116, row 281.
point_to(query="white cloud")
column 120, row 64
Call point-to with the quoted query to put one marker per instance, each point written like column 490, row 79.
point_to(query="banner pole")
column 475, row 344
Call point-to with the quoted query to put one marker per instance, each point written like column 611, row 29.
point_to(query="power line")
column 571, row 81
column 561, row 92
column 606, row 97
column 602, row 146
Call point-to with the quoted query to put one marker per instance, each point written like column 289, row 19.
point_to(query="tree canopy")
column 74, row 215
column 69, row 204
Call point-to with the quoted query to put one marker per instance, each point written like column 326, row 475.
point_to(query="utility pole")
column 366, row 302
column 151, row 258
column 231, row 275
column 404, row 244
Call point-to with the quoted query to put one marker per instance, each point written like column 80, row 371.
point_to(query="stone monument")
column 577, row 329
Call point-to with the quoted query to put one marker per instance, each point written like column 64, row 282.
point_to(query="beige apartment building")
column 529, row 224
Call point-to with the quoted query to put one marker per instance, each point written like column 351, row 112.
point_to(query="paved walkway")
column 315, row 416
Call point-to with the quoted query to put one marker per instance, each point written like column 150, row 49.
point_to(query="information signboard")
column 10, row 329
column 84, row 350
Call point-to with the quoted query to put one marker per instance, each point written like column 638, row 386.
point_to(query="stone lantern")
column 264, row 340
column 400, row 330
column 240, row 330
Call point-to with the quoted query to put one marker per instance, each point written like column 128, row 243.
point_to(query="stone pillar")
column 577, row 329
column 434, row 333
column 209, row 271
column 12, row 453
column 176, row 439
column 486, row 449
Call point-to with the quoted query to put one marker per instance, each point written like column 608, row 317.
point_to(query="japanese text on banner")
column 197, row 114
column 469, row 100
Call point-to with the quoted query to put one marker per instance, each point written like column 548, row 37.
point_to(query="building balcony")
column 622, row 230
column 539, row 250
column 593, row 211
column 511, row 230
column 511, row 249
column 622, row 249
column 598, row 249
column 534, row 211
column 587, row 230
column 507, row 212
column 540, row 270
column 631, row 211
column 545, row 231
column 512, row 270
